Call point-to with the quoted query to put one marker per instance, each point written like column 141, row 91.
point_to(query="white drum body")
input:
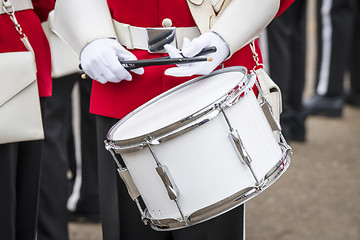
column 205, row 169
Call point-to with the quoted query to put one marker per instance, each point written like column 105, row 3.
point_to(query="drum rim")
column 185, row 124
column 225, row 205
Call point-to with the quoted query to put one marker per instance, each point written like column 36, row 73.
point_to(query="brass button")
column 167, row 22
column 84, row 76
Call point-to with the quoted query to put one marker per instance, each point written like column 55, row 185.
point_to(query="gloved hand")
column 191, row 48
column 100, row 61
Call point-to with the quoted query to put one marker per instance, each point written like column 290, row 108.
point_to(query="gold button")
column 167, row 22
column 84, row 76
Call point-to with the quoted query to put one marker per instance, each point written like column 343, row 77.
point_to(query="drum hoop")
column 229, row 203
column 187, row 123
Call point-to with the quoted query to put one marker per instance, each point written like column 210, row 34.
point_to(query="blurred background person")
column 69, row 171
column 20, row 162
column 83, row 203
column 334, row 37
column 353, row 93
column 284, row 46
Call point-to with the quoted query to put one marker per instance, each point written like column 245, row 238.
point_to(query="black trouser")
column 286, row 44
column 334, row 33
column 58, row 150
column 88, row 202
column 355, row 52
column 121, row 219
column 19, row 185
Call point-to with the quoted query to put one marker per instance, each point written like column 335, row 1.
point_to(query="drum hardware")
column 127, row 179
column 255, row 54
column 284, row 145
column 267, row 109
column 249, row 134
column 274, row 124
column 265, row 104
column 280, row 167
column 167, row 179
column 238, row 145
column 174, row 130
column 165, row 176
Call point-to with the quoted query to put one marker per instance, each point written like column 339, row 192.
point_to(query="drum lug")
column 164, row 173
column 239, row 147
column 124, row 174
column 129, row 183
column 167, row 179
column 242, row 153
column 126, row 177
column 267, row 109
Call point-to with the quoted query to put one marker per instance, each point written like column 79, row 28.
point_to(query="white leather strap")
column 78, row 22
column 64, row 60
column 238, row 22
column 136, row 37
column 18, row 5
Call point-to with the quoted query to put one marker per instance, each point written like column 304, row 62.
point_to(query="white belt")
column 18, row 5
column 137, row 37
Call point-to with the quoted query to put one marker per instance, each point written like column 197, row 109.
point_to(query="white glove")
column 192, row 48
column 100, row 61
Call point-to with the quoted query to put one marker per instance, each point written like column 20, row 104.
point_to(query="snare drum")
column 198, row 150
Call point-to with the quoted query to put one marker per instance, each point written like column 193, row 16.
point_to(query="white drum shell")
column 204, row 164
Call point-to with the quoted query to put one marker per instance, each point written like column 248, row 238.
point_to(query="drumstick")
column 168, row 61
column 128, row 65
column 133, row 64
column 204, row 51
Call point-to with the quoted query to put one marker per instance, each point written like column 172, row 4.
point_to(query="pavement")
column 318, row 196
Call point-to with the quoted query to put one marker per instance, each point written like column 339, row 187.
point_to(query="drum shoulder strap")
column 206, row 12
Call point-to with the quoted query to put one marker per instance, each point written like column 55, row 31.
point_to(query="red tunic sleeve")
column 42, row 8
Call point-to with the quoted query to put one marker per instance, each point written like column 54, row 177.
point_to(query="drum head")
column 178, row 103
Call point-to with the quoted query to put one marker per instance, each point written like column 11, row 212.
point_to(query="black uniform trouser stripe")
column 335, row 19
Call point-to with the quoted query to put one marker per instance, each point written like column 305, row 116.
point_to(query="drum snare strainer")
column 198, row 150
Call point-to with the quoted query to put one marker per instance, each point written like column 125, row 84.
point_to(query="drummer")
column 104, row 31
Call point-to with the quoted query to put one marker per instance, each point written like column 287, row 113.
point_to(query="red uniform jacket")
column 118, row 99
column 31, row 25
